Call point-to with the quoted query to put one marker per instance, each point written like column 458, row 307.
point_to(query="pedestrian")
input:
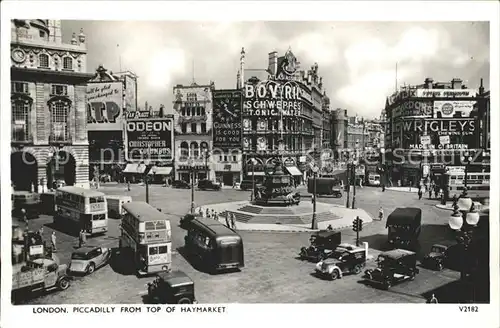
column 207, row 214
column 53, row 240
column 433, row 300
column 233, row 224
column 430, row 192
column 436, row 192
column 383, row 187
column 40, row 231
column 200, row 212
column 381, row 214
column 329, row 227
column 419, row 193
column 80, row 239
column 84, row 238
column 227, row 220
column 213, row 214
column 128, row 185
column 24, row 217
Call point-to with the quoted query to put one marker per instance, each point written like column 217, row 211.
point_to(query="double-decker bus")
column 82, row 209
column 146, row 238
column 478, row 184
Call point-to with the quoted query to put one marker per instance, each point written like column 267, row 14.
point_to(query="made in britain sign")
column 149, row 139
column 226, row 118
column 105, row 106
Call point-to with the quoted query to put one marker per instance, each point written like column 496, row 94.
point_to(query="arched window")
column 21, row 108
column 195, row 151
column 67, row 63
column 43, row 60
column 184, row 150
column 59, row 120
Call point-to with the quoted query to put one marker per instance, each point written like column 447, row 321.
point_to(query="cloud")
column 356, row 59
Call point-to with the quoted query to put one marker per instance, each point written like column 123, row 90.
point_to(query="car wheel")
column 63, row 284
column 334, row 275
column 356, row 269
column 184, row 300
column 91, row 268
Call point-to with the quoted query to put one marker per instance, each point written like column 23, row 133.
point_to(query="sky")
column 357, row 60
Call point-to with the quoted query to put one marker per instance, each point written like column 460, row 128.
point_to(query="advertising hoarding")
column 414, row 108
column 130, row 94
column 105, row 106
column 272, row 98
column 445, row 93
column 453, row 108
column 453, row 126
column 226, row 118
column 149, row 139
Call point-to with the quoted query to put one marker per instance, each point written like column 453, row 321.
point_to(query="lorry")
column 404, row 226
column 41, row 274
column 115, row 205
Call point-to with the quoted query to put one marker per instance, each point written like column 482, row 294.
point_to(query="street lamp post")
column 146, row 181
column 314, row 224
column 253, row 180
column 191, row 166
column 354, row 184
column 348, row 174
column 467, row 159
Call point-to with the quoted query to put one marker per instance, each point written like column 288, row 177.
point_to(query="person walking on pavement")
column 433, row 300
column 233, row 223
column 419, row 193
column 53, row 240
column 381, row 214
column 430, row 192
column 227, row 220
column 24, row 217
column 329, row 227
column 207, row 214
column 80, row 239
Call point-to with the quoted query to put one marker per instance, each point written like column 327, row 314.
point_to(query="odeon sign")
column 149, row 126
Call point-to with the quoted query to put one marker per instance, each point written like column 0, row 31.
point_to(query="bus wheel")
column 184, row 300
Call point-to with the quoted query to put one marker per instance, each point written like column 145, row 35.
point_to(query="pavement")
column 402, row 189
column 272, row 273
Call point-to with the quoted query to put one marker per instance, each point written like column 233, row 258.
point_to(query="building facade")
column 48, row 98
column 282, row 115
column 430, row 127
column 193, row 132
column 340, row 121
column 110, row 97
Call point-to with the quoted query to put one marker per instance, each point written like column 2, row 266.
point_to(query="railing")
column 183, row 119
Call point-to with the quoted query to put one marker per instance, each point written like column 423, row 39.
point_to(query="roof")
column 326, row 233
column 214, row 226
column 81, row 191
column 404, row 215
column 143, row 211
column 118, row 197
column 175, row 278
column 85, row 249
column 396, row 254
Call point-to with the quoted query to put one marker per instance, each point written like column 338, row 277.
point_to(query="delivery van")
column 115, row 205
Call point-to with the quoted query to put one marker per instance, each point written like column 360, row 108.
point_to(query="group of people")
column 212, row 214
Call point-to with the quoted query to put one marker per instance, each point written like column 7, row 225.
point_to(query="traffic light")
column 357, row 224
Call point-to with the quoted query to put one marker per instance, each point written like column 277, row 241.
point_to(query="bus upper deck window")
column 162, row 249
column 153, row 250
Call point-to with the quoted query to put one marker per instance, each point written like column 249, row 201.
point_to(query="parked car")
column 436, row 258
column 322, row 245
column 393, row 267
column 208, row 184
column 180, row 184
column 345, row 261
column 174, row 287
column 88, row 258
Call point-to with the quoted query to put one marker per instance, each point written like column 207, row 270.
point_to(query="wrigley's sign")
column 441, row 126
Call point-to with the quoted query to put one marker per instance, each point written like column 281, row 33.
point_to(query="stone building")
column 193, row 131
column 48, row 98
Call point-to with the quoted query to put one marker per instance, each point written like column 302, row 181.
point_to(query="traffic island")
column 449, row 206
column 297, row 218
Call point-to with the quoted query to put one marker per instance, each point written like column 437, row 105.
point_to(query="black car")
column 323, row 243
column 394, row 266
column 180, row 184
column 437, row 258
column 346, row 260
column 208, row 185
column 174, row 287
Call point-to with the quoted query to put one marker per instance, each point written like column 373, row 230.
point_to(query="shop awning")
column 160, row 170
column 293, row 170
column 256, row 173
column 135, row 168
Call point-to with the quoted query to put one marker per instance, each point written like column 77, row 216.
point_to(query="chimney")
column 456, row 83
column 481, row 87
column 273, row 63
column 428, row 83
column 242, row 66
